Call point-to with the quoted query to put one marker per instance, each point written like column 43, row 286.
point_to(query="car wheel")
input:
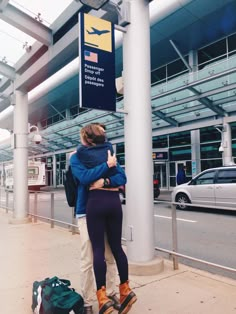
column 122, row 197
column 156, row 193
column 183, row 199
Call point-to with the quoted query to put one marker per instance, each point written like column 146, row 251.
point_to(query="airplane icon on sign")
column 97, row 31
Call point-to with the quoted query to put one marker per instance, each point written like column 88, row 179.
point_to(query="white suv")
column 212, row 187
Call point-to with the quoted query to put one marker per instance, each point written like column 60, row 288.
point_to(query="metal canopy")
column 175, row 103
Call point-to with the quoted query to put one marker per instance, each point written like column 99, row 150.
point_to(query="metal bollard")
column 52, row 210
column 174, row 237
column 35, row 206
column 7, row 201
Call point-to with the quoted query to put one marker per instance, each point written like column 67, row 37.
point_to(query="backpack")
column 71, row 186
column 53, row 296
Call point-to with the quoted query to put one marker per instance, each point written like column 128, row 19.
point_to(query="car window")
column 205, row 178
column 226, row 176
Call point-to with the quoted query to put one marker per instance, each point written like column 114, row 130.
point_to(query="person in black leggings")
column 104, row 216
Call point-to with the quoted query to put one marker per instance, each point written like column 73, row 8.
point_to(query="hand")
column 111, row 160
column 97, row 184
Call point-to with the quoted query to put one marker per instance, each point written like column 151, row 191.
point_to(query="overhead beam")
column 162, row 116
column 181, row 56
column 55, row 58
column 208, row 103
column 3, row 4
column 4, row 84
column 38, row 49
column 7, row 71
column 27, row 24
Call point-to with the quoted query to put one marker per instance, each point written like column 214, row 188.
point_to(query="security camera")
column 221, row 149
column 37, row 138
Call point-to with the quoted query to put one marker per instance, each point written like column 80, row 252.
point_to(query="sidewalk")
column 34, row 251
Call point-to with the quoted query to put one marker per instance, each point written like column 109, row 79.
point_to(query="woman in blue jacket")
column 104, row 213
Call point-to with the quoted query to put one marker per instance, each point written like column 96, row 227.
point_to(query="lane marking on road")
column 180, row 219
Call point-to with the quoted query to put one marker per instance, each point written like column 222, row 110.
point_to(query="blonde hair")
column 93, row 134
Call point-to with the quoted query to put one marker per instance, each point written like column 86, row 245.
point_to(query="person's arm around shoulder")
column 113, row 181
column 87, row 176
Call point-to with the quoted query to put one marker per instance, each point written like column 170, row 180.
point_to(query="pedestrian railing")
column 6, row 202
column 174, row 252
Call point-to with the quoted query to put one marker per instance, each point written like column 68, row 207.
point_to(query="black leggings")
column 104, row 215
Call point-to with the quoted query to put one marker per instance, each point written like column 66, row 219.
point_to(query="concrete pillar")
column 20, row 158
column 138, row 134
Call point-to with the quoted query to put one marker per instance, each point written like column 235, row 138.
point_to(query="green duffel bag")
column 54, row 296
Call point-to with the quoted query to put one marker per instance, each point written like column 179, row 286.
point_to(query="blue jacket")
column 87, row 176
column 92, row 156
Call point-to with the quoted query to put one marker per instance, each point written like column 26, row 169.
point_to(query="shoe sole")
column 108, row 310
column 129, row 305
column 116, row 305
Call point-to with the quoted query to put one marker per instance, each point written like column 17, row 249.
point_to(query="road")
column 201, row 234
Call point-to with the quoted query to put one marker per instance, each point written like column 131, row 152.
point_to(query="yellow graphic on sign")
column 97, row 33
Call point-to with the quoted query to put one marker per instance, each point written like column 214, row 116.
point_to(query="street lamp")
column 94, row 4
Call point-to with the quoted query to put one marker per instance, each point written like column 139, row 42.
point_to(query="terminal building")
column 193, row 89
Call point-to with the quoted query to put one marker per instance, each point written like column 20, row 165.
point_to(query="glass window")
column 232, row 43
column 178, row 139
column 158, row 75
column 209, row 133
column 74, row 111
column 211, row 163
column 206, row 178
column 210, row 150
column 120, row 148
column 172, row 181
column 176, row 67
column 120, row 153
column 212, row 52
column 233, row 130
column 160, row 141
column 49, row 121
column 172, row 168
column 227, row 176
column 56, row 118
column 180, row 153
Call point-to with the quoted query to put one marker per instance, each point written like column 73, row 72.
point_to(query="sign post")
column 97, row 63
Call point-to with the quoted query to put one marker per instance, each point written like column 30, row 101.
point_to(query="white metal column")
column 54, row 170
column 227, row 144
column 20, row 157
column 138, row 134
column 196, row 156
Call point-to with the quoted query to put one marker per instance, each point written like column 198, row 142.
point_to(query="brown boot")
column 127, row 298
column 105, row 305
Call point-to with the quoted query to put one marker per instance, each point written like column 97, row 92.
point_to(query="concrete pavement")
column 34, row 251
